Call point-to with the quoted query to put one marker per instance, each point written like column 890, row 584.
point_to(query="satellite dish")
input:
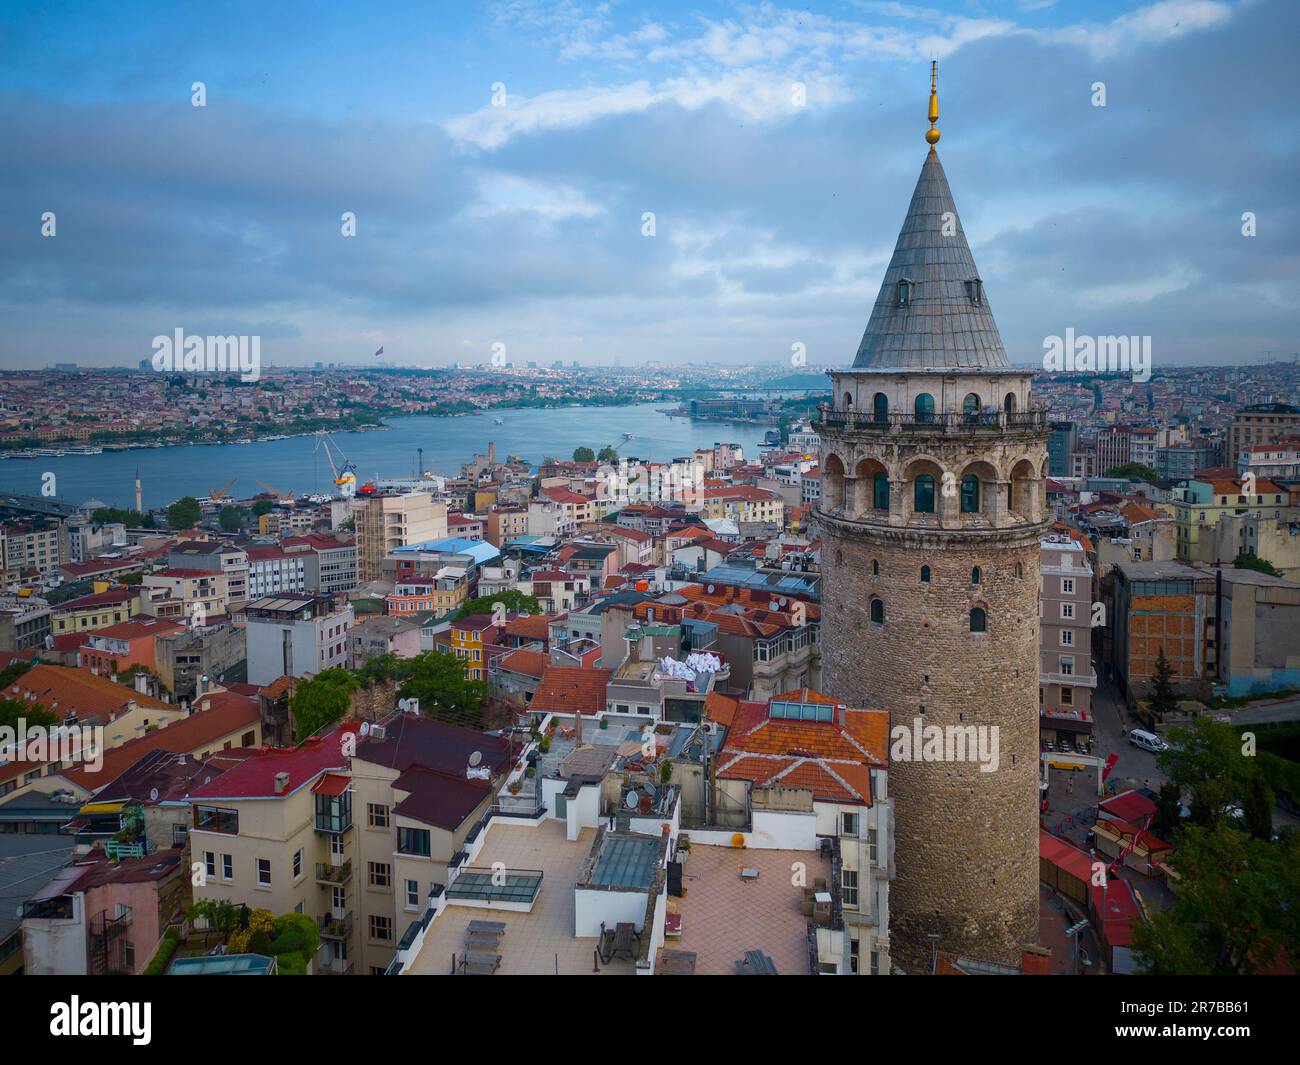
column 632, row 801
column 153, row 794
column 207, row 780
column 475, row 758
column 364, row 730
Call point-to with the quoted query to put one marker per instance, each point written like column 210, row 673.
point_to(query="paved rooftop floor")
column 535, row 944
column 724, row 916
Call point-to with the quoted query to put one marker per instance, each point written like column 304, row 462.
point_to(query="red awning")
column 331, row 784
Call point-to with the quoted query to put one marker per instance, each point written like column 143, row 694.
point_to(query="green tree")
column 1206, row 761
column 1260, row 565
column 13, row 710
column 232, row 518
column 607, row 454
column 1133, row 471
column 1168, row 819
column 511, row 600
column 442, row 685
column 262, row 506
column 1236, row 910
column 14, row 670
column 1257, row 809
column 1163, row 699
column 223, row 916
column 184, row 513
column 583, row 454
column 132, row 519
column 321, row 701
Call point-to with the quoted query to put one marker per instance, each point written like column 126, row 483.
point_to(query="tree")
column 262, row 506
column 1245, row 560
column 1163, row 700
column 583, row 454
column 1206, row 760
column 1257, row 809
column 1168, row 819
column 1133, row 471
column 14, row 670
column 232, row 518
column 223, row 916
column 607, row 454
column 442, row 685
column 321, row 701
column 14, row 710
column 511, row 600
column 132, row 519
column 1236, row 911
column 184, row 513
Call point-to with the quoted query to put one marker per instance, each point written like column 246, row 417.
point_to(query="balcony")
column 332, row 927
column 333, row 875
column 946, row 424
column 104, row 925
column 334, row 967
column 1070, row 680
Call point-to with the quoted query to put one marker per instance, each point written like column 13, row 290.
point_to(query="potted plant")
column 515, row 786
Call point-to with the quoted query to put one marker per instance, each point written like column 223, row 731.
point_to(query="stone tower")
column 934, row 460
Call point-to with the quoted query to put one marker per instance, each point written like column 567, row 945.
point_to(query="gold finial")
column 932, row 134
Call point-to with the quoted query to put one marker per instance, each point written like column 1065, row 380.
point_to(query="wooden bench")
column 476, row 964
column 676, row 963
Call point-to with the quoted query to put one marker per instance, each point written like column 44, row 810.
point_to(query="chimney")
column 281, row 783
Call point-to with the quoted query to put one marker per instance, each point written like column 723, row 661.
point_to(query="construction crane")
column 345, row 476
column 220, row 493
column 283, row 497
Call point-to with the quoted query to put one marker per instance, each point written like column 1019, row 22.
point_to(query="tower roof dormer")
column 931, row 313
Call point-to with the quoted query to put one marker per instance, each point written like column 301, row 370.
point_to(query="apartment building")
column 187, row 595
column 24, row 622
column 505, row 523
column 295, row 635
column 1066, row 676
column 329, row 562
column 1261, row 423
column 421, row 789
column 1201, row 502
column 276, row 832
column 383, row 523
column 34, row 547
column 272, row 570
column 215, row 557
column 109, row 651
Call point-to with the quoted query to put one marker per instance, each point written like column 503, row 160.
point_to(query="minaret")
column 139, row 495
column 934, row 461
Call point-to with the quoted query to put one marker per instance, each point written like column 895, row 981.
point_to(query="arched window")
column 880, row 492
column 923, row 503
column 1020, row 571
column 970, row 494
column 880, row 407
column 924, row 407
column 875, row 568
column 878, row 611
column 848, row 400
column 976, row 576
column 970, row 408
column 979, row 621
column 1009, row 404
column 925, row 574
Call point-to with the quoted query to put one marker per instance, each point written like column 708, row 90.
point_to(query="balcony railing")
column 333, row 875
column 332, row 927
column 1073, row 680
column 952, row 423
column 104, row 925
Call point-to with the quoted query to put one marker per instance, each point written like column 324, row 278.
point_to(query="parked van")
column 1148, row 741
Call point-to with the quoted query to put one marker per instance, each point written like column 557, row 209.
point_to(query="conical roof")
column 944, row 322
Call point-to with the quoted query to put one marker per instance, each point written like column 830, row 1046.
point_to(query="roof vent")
column 281, row 782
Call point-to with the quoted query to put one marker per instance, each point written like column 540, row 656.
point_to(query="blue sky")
column 522, row 223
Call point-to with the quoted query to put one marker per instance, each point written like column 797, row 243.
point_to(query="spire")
column 932, row 134
column 931, row 313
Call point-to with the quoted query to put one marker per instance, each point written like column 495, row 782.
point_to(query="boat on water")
column 498, row 421
column 84, row 451
column 627, row 436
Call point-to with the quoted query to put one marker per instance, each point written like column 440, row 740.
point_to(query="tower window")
column 970, row 408
column 923, row 503
column 979, row 621
column 875, row 568
column 878, row 611
column 975, row 290
column 880, row 407
column 924, row 407
column 1009, row 404
column 880, row 492
column 904, row 291
column 976, row 575
column 970, row 494
column 925, row 574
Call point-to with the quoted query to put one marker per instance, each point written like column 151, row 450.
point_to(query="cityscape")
column 949, row 654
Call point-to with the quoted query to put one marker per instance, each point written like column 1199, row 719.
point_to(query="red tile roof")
column 567, row 689
column 255, row 777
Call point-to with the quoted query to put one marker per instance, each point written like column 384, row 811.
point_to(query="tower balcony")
column 894, row 423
